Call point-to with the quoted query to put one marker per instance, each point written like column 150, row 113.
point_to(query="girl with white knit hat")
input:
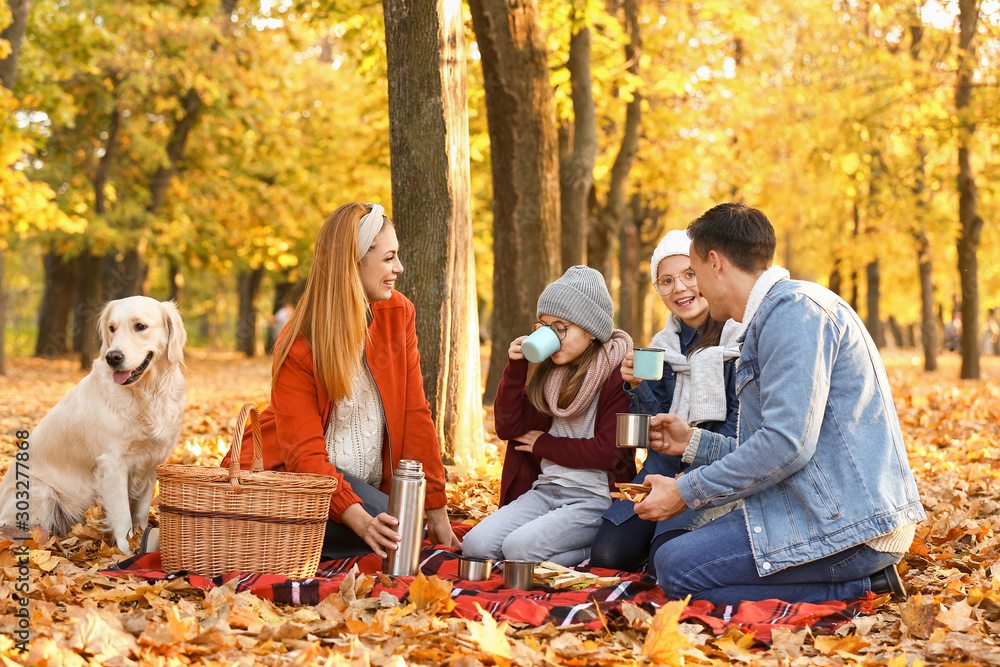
column 559, row 419
column 698, row 384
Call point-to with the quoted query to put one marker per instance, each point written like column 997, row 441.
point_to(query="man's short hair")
column 741, row 233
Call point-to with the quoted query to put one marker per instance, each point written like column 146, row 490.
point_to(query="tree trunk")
column 612, row 215
column 53, row 314
column 175, row 278
column 928, row 324
column 14, row 34
column 649, row 231
column 835, row 278
column 87, row 308
column 873, row 321
column 431, row 193
column 524, row 159
column 968, row 215
column 925, row 265
column 246, row 323
column 122, row 278
column 628, row 264
column 854, row 273
column 897, row 332
column 3, row 322
column 576, row 169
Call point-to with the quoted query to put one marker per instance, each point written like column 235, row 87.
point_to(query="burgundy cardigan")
column 514, row 415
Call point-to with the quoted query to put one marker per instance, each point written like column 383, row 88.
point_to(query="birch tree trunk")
column 431, row 194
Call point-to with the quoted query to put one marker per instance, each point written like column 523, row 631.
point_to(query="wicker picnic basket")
column 214, row 520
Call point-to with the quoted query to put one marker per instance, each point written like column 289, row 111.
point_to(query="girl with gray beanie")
column 559, row 418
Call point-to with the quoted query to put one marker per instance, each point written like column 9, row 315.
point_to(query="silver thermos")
column 406, row 503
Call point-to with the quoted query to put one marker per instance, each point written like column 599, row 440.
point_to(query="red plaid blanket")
column 536, row 607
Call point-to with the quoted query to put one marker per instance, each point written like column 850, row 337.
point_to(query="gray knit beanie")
column 581, row 297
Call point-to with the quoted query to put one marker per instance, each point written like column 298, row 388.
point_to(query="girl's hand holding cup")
column 628, row 370
column 514, row 351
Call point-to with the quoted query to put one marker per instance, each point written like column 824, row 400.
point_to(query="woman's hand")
column 378, row 532
column 439, row 528
column 669, row 434
column 514, row 351
column 529, row 441
column 628, row 370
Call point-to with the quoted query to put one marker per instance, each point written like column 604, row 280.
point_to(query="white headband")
column 368, row 229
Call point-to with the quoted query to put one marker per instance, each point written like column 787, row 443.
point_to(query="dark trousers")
column 342, row 542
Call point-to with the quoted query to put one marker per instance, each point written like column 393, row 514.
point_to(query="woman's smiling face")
column 380, row 266
column 685, row 302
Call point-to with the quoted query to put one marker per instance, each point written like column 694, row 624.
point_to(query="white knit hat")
column 676, row 242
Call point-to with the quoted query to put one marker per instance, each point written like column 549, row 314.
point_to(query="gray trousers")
column 548, row 522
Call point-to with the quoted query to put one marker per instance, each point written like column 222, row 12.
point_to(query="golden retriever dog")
column 102, row 442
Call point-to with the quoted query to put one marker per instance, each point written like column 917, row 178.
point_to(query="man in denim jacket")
column 829, row 500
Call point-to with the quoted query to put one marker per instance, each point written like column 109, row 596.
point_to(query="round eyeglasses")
column 558, row 327
column 667, row 284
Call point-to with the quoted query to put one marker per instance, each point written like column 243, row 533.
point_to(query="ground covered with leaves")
column 82, row 617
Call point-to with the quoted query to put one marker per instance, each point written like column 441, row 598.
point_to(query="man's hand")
column 669, row 434
column 663, row 502
column 529, row 441
column 439, row 528
column 378, row 532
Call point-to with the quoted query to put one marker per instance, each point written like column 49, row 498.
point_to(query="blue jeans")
column 547, row 522
column 715, row 563
column 339, row 540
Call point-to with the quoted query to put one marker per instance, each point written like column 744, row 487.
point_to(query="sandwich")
column 634, row 492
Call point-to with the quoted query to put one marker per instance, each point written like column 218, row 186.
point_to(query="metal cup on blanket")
column 471, row 568
column 519, row 574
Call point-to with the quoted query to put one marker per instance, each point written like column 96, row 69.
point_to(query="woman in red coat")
column 347, row 396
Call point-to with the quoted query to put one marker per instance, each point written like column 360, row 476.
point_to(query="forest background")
column 190, row 150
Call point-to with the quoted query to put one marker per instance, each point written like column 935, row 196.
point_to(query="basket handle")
column 248, row 410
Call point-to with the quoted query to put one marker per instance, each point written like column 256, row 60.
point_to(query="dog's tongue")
column 122, row 376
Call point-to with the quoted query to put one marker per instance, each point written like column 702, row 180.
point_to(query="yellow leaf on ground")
column 958, row 618
column 490, row 637
column 848, row 646
column 919, row 618
column 433, row 593
column 664, row 643
column 787, row 643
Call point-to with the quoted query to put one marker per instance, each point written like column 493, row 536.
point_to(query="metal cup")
column 471, row 568
column 632, row 430
column 519, row 574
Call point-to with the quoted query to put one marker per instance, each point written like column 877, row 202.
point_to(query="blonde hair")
column 332, row 314
column 539, row 375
